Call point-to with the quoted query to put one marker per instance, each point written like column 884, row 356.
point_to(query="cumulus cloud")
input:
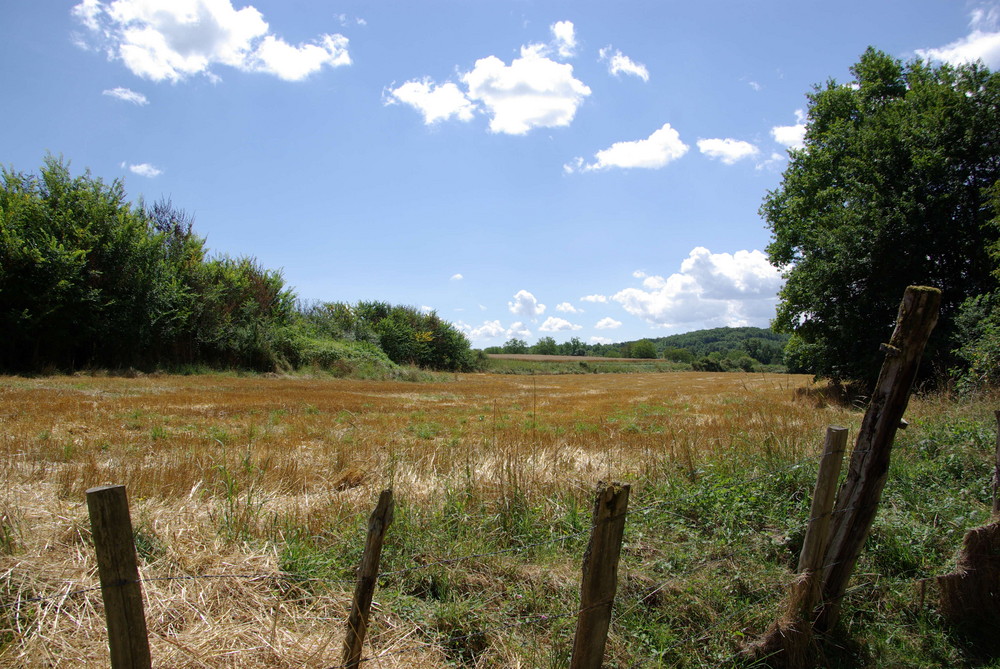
column 166, row 40
column 600, row 340
column 456, row 277
column 488, row 330
column 437, row 102
column 127, row 95
column 619, row 63
column 608, row 323
column 597, row 299
column 792, row 136
column 526, row 305
column 729, row 151
column 662, row 147
column 564, row 38
column 143, row 170
column 568, row 308
column 532, row 92
column 982, row 42
column 519, row 330
column 556, row 324
column 710, row 290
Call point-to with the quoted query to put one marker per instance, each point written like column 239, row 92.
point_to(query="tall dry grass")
column 217, row 467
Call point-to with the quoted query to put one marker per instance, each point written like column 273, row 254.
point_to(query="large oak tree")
column 890, row 189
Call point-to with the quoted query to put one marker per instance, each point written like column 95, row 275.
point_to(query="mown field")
column 268, row 482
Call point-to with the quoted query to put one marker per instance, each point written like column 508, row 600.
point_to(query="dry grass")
column 208, row 460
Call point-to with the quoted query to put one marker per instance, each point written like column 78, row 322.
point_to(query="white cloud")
column 792, row 136
column 710, row 290
column 171, row 40
column 456, row 277
column 294, row 63
column 487, row 330
column 754, row 85
column 597, row 299
column 556, row 324
column 568, row 308
column 88, row 13
column 600, row 340
column 729, row 151
column 773, row 161
column 127, row 95
column 659, row 149
column 425, row 309
column 982, row 42
column 618, row 63
column 526, row 305
column 532, row 92
column 608, row 323
column 144, row 170
column 435, row 102
column 564, row 38
column 518, row 329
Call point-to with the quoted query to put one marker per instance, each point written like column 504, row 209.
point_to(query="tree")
column 515, row 346
column 545, row 346
column 889, row 190
column 644, row 349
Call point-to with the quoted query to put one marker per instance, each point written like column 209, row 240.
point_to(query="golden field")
column 216, row 466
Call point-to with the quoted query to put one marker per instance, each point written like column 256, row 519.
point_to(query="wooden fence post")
column 817, row 532
column 111, row 528
column 787, row 643
column 859, row 497
column 357, row 622
column 600, row 576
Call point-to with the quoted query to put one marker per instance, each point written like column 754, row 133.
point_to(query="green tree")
column 545, row 346
column 515, row 345
column 889, row 190
column 644, row 349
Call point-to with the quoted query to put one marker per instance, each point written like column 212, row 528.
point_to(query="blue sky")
column 525, row 168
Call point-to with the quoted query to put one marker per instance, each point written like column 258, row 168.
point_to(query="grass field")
column 273, row 476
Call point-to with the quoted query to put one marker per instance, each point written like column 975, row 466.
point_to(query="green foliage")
column 88, row 279
column 514, row 346
column 678, row 354
column 545, row 346
column 643, row 349
column 890, row 190
column 977, row 328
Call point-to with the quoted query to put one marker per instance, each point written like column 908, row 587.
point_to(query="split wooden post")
column 859, row 497
column 817, row 532
column 789, row 640
column 111, row 528
column 357, row 622
column 600, row 576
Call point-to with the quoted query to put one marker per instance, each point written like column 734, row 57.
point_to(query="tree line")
column 90, row 280
column 716, row 349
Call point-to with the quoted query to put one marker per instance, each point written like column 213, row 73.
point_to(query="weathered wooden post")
column 788, row 641
column 818, row 531
column 859, row 497
column 357, row 622
column 600, row 576
column 111, row 528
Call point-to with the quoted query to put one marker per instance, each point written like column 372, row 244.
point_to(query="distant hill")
column 717, row 349
column 717, row 340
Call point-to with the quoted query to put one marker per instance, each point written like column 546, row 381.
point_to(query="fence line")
column 632, row 604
